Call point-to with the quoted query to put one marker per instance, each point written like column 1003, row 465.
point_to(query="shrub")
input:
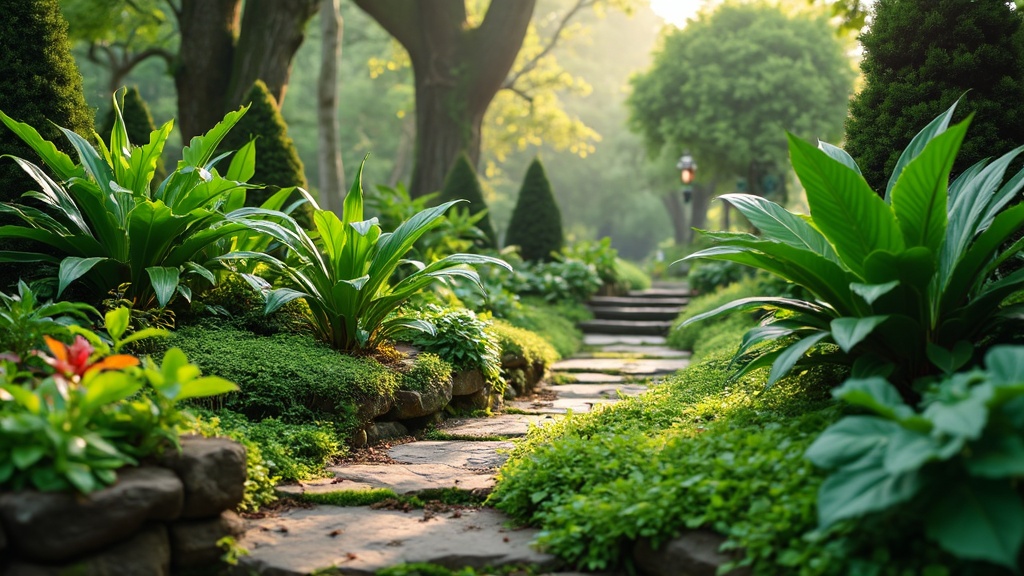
column 348, row 282
column 706, row 277
column 71, row 416
column 536, row 224
column 560, row 281
column 110, row 229
column 599, row 253
column 902, row 285
column 520, row 342
column 278, row 164
column 138, row 123
column 460, row 338
column 288, row 376
column 920, row 56
column 685, row 336
column 555, row 323
column 24, row 320
column 462, row 183
column 630, row 276
column 42, row 85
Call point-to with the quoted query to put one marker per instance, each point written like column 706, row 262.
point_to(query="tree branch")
column 519, row 93
column 492, row 47
column 398, row 17
column 532, row 64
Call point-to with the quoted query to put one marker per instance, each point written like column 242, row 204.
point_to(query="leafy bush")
column 519, row 342
column 630, row 276
column 460, row 338
column 958, row 458
column 347, row 283
column 536, row 224
column 686, row 336
column 234, row 303
column 705, row 277
column 110, row 229
column 82, row 413
column 560, row 281
column 24, row 321
column 462, row 182
column 555, row 323
column 903, row 286
column 287, row 376
column 598, row 253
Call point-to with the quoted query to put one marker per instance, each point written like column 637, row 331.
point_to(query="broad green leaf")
column 143, row 334
column 950, row 361
column 848, row 332
column 413, row 324
column 791, row 355
column 80, row 476
column 205, row 387
column 965, row 417
column 755, row 303
column 839, row 155
column 979, row 520
column 967, row 271
column 851, row 493
column 154, row 230
column 202, row 271
column 53, row 194
column 61, row 164
column 200, row 150
column 872, row 292
column 919, row 196
column 243, row 163
column 116, row 322
column 332, row 234
column 917, row 145
column 779, row 225
column 165, row 281
column 999, row 456
column 72, row 268
column 1005, row 364
column 352, row 207
column 771, row 331
column 25, row 456
column 908, row 451
column 144, row 160
column 24, row 397
column 95, row 165
column 107, row 387
column 913, row 268
column 875, row 394
column 844, row 208
column 280, row 297
column 853, row 442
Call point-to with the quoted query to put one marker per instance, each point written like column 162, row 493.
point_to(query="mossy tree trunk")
column 458, row 69
column 223, row 52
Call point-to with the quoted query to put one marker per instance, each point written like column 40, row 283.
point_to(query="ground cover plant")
column 903, row 285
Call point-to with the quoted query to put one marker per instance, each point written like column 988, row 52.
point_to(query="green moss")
column 349, row 497
column 447, row 496
column 536, row 224
column 288, row 376
column 428, row 371
column 520, row 342
column 462, row 184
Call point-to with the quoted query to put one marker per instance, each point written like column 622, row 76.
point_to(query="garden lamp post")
column 687, row 169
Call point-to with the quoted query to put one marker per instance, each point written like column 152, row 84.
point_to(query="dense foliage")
column 903, row 285
column 919, row 57
column 138, row 123
column 42, row 85
column 536, row 224
column 460, row 337
column 462, row 183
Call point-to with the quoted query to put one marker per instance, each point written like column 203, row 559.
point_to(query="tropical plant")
column 346, row 280
column 109, row 228
column 902, row 285
column 24, row 320
column 959, row 456
column 460, row 338
column 80, row 416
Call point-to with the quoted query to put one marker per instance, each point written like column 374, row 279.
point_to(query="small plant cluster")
column 461, row 338
column 72, row 415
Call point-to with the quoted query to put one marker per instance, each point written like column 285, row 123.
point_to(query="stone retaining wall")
column 162, row 515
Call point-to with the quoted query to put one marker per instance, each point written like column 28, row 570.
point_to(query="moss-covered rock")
column 462, row 184
column 536, row 224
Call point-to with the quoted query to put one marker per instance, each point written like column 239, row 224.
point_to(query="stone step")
column 681, row 292
column 627, row 366
column 640, row 340
column 632, row 327
column 597, row 301
column 635, row 313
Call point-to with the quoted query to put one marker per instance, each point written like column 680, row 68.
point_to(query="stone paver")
column 611, row 339
column 510, row 425
column 457, row 454
column 599, row 391
column 359, row 540
column 402, row 478
column 592, row 378
column 646, row 351
column 622, row 366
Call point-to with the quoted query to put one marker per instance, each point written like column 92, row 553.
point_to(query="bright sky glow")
column 676, row 11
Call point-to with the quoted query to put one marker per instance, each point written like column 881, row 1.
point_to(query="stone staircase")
column 640, row 313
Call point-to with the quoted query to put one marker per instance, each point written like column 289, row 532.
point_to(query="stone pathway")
column 362, row 540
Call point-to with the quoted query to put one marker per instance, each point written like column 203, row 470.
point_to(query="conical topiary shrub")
column 462, row 183
column 277, row 161
column 42, row 85
column 536, row 224
column 138, row 122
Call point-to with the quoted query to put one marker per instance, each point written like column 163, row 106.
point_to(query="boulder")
column 467, row 382
column 146, row 554
column 414, row 404
column 56, row 526
column 194, row 542
column 385, row 431
column 213, row 472
column 695, row 553
column 370, row 408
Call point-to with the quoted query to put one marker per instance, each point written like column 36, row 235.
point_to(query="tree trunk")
column 403, row 156
column 203, row 66
column 331, row 170
column 674, row 206
column 271, row 33
column 458, row 69
column 699, row 207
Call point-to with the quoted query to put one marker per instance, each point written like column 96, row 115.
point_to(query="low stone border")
column 171, row 513
column 693, row 553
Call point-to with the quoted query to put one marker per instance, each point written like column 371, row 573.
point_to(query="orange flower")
column 73, row 360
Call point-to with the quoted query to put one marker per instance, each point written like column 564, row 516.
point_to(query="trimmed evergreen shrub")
column 42, row 85
column 536, row 224
column 919, row 57
column 277, row 160
column 138, row 122
column 462, row 183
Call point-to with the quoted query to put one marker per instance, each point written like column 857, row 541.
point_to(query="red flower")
column 71, row 361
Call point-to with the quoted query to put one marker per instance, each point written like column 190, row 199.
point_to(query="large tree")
column 922, row 55
column 728, row 87
column 458, row 68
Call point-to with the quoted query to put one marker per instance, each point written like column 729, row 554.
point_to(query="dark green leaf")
column 851, row 493
column 875, row 394
column 165, row 281
column 72, row 268
column 979, row 520
column 848, row 332
column 917, row 145
column 853, row 442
